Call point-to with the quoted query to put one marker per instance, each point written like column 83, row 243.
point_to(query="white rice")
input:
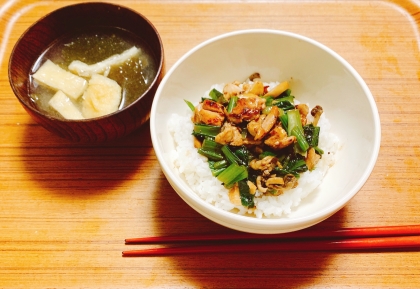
column 194, row 169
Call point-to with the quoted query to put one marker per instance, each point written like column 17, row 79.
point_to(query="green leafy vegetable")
column 292, row 164
column 269, row 100
column 318, row 150
column 204, row 130
column 190, row 105
column 247, row 199
column 289, row 98
column 232, row 103
column 217, row 167
column 300, row 137
column 211, row 145
column 311, row 134
column 211, row 150
column 244, row 155
column 211, row 155
column 293, row 120
column 217, row 96
column 231, row 157
column 285, row 103
column 287, row 92
column 283, row 118
column 243, row 129
column 232, row 174
column 220, row 164
column 266, row 154
column 216, row 172
column 294, row 127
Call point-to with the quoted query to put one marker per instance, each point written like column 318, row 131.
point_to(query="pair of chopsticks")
column 346, row 239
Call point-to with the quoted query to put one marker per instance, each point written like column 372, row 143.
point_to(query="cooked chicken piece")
column 229, row 135
column 303, row 111
column 234, row 195
column 316, row 113
column 279, row 89
column 268, row 163
column 267, row 123
column 213, row 106
column 278, row 138
column 247, row 108
column 290, row 181
column 231, row 89
column 251, row 141
column 205, row 116
column 254, row 125
column 312, row 159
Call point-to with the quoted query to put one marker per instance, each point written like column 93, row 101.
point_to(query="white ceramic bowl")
column 320, row 76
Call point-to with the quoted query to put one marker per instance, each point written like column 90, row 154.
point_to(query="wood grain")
column 65, row 209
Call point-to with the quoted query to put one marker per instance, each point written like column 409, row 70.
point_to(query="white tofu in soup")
column 64, row 106
column 52, row 75
column 103, row 66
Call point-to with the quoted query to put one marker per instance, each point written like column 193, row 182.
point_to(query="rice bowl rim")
column 193, row 199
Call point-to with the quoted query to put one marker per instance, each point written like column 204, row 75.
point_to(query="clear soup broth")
column 134, row 75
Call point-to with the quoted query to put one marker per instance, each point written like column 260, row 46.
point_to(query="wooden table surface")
column 66, row 208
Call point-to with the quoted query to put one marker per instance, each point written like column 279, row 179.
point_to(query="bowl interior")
column 71, row 20
column 319, row 76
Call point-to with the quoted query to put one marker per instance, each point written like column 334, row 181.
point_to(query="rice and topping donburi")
column 252, row 148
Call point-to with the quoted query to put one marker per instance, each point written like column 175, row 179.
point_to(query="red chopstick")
column 405, row 242
column 347, row 239
column 387, row 231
